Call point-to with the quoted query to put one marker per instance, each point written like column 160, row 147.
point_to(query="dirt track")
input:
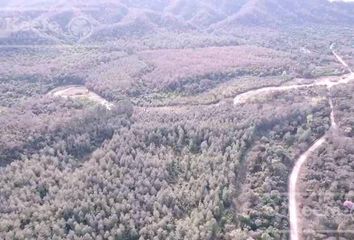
column 293, row 180
column 77, row 91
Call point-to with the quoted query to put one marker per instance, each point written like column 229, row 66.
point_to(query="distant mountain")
column 98, row 20
column 298, row 12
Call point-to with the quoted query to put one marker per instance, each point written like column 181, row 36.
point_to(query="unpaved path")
column 293, row 193
column 81, row 92
column 293, row 180
column 76, row 91
column 328, row 82
column 339, row 58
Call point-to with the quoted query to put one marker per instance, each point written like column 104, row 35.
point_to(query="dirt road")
column 293, row 180
column 77, row 91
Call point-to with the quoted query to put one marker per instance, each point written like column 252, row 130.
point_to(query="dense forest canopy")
column 122, row 120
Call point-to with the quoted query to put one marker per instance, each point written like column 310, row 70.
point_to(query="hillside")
column 301, row 12
column 116, row 19
column 176, row 119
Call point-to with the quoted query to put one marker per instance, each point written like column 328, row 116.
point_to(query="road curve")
column 327, row 82
column 293, row 180
column 293, row 193
column 79, row 91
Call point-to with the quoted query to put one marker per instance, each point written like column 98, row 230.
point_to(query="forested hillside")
column 175, row 120
column 324, row 191
column 109, row 20
column 157, row 175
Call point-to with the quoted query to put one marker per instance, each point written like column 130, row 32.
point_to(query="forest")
column 174, row 156
column 323, row 191
column 156, row 175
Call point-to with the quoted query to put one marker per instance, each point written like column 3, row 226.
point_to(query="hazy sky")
column 341, row 0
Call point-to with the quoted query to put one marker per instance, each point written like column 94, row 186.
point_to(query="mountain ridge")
column 112, row 19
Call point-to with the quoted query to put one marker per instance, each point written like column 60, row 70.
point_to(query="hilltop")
column 51, row 22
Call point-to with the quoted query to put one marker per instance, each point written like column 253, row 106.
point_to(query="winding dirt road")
column 293, row 180
column 81, row 92
column 293, row 205
column 328, row 82
column 294, row 177
column 75, row 91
